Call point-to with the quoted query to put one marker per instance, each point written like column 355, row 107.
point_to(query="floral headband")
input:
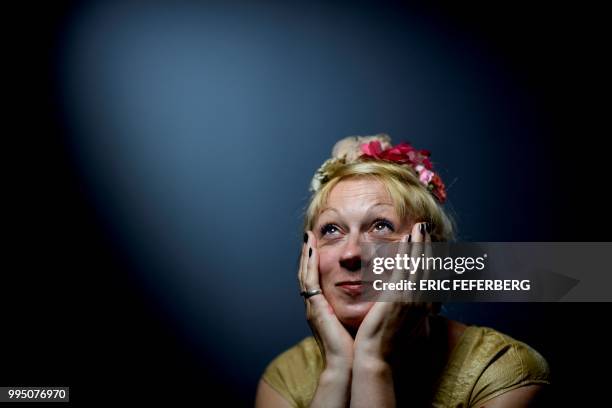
column 379, row 147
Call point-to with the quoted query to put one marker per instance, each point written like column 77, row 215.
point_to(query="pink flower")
column 372, row 149
column 403, row 153
column 349, row 148
column 425, row 176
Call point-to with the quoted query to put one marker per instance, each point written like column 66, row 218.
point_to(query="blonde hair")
column 409, row 196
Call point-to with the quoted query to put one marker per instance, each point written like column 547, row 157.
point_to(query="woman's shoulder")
column 295, row 371
column 305, row 352
column 494, row 346
column 492, row 363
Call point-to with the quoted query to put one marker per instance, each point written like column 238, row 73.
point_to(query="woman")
column 379, row 354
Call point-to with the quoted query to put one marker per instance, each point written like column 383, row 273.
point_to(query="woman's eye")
column 381, row 225
column 328, row 228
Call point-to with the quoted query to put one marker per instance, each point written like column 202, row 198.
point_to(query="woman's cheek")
column 325, row 264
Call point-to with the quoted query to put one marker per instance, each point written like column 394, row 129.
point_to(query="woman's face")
column 357, row 210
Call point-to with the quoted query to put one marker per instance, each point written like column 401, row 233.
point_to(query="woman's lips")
column 353, row 288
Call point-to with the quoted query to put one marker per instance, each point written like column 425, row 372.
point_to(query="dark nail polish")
column 429, row 227
column 422, row 228
column 409, row 237
column 309, row 252
column 305, row 237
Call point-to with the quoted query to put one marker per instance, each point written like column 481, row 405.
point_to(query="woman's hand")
column 335, row 342
column 386, row 322
column 404, row 316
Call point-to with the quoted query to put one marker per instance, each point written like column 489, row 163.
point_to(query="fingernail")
column 429, row 227
column 305, row 237
column 309, row 252
column 422, row 228
column 409, row 237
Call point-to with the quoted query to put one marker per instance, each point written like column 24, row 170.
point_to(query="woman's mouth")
column 353, row 288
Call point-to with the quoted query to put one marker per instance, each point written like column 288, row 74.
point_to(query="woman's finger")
column 428, row 254
column 303, row 262
column 400, row 274
column 427, row 272
column 416, row 249
column 311, row 278
column 403, row 247
column 311, row 281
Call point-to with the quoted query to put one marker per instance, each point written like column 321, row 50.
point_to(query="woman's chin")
column 351, row 315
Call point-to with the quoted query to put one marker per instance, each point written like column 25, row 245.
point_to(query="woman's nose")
column 351, row 254
column 352, row 264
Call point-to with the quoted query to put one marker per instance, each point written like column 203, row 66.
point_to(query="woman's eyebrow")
column 367, row 211
column 372, row 208
column 377, row 204
column 328, row 209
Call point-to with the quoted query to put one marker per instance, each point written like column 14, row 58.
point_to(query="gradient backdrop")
column 166, row 148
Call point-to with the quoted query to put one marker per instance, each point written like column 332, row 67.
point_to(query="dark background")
column 134, row 301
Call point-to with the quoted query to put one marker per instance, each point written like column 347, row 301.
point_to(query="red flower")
column 404, row 153
column 439, row 188
column 372, row 149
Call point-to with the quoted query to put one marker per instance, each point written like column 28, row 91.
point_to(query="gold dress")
column 483, row 364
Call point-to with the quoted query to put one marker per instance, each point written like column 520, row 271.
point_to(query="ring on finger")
column 310, row 293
